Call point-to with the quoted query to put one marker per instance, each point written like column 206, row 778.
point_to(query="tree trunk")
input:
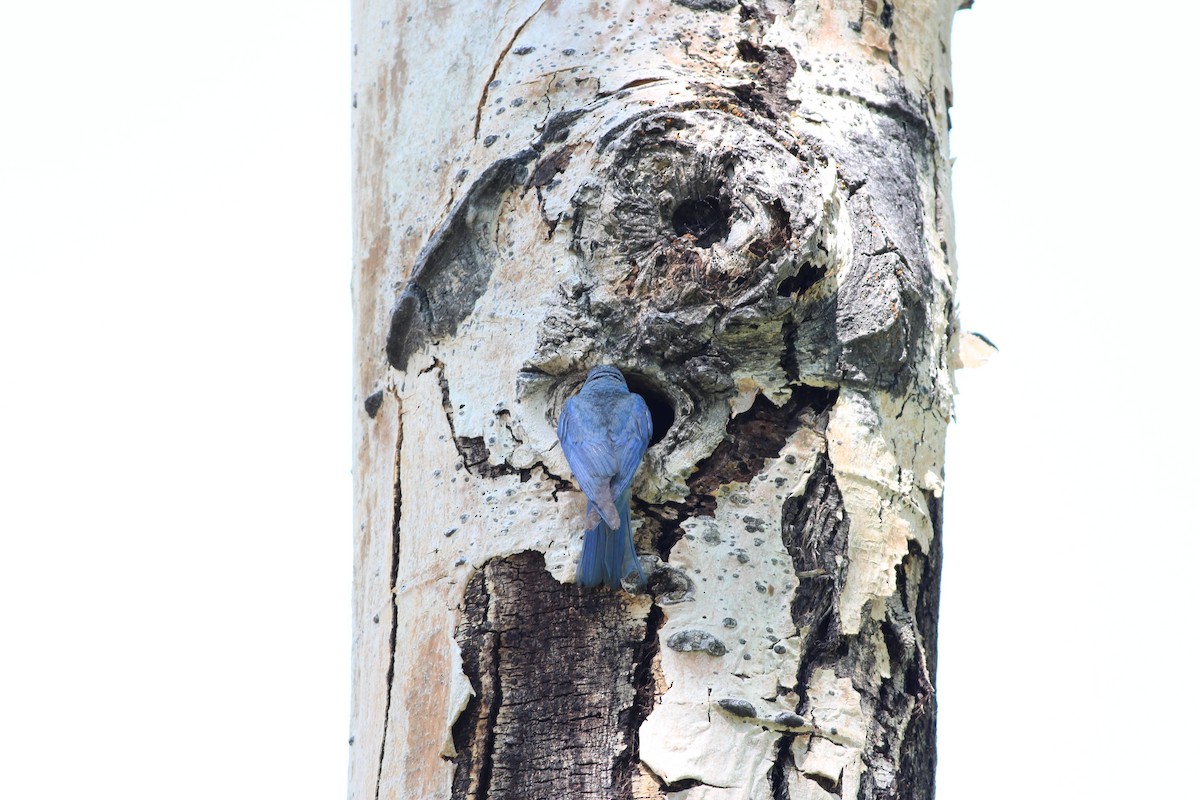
column 745, row 206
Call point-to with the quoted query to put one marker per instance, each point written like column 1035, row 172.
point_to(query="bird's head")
column 606, row 372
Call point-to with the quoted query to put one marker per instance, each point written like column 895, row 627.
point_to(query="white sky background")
column 175, row 424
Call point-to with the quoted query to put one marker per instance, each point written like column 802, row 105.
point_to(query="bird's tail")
column 608, row 555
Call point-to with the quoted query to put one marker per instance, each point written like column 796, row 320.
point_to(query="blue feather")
column 604, row 431
column 608, row 555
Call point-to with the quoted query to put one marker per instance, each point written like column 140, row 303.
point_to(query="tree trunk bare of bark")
column 744, row 206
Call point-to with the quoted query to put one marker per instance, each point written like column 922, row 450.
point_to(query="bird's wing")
column 593, row 463
column 630, row 442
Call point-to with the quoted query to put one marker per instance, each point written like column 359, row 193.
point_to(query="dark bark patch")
column 754, row 436
column 554, row 669
column 918, row 748
column 680, row 785
column 372, row 403
column 670, row 585
column 807, row 276
column 738, row 707
column 474, row 453
column 900, row 756
column 661, row 524
column 749, row 51
column 474, row 730
column 815, row 533
column 767, row 94
column 707, row 5
column 550, row 166
column 452, row 270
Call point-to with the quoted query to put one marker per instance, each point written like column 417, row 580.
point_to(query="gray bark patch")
column 707, row 5
column 696, row 641
column 452, row 271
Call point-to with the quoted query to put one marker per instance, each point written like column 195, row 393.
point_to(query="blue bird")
column 604, row 431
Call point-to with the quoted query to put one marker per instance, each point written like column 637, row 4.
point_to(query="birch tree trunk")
column 745, row 206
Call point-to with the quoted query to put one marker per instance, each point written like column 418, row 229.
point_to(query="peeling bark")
column 744, row 205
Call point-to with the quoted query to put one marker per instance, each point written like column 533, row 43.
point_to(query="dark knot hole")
column 662, row 412
column 706, row 219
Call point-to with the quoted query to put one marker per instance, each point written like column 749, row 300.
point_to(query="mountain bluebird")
column 604, row 432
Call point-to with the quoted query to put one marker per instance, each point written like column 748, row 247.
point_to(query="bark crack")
column 496, row 68
column 778, row 775
column 397, row 505
column 644, row 686
column 475, row 729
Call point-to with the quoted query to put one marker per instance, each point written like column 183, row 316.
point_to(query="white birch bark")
column 746, row 207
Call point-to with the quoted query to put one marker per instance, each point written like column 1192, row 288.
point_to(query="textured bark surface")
column 544, row 657
column 745, row 206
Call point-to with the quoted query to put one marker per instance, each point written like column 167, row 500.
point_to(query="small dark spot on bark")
column 739, row 708
column 523, row 50
column 748, row 51
column 372, row 403
column 754, row 525
column 790, row 719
